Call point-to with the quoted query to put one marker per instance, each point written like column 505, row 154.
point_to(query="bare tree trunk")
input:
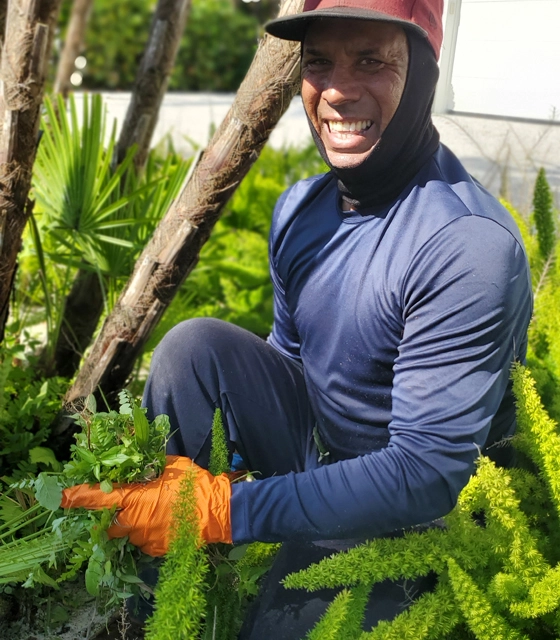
column 25, row 54
column 80, row 319
column 3, row 14
column 82, row 309
column 167, row 28
column 172, row 253
column 73, row 45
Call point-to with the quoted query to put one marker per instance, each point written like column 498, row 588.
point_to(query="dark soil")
column 121, row 629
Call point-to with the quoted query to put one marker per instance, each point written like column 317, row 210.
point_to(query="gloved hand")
column 145, row 510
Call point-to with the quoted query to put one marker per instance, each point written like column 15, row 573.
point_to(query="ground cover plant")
column 28, row 404
column 112, row 447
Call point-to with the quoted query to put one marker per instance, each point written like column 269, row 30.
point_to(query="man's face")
column 353, row 76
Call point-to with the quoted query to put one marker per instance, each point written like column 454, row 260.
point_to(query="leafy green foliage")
column 73, row 179
column 203, row 590
column 251, row 562
column 481, row 616
column 434, row 615
column 114, row 42
column 90, row 218
column 343, row 617
column 48, row 492
column 117, row 447
column 543, row 357
column 499, row 561
column 87, row 208
column 217, row 48
column 332, row 625
column 112, row 447
column 28, row 405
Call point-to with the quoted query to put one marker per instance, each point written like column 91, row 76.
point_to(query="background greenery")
column 216, row 50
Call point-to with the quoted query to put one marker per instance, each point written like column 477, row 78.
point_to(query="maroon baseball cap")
column 423, row 16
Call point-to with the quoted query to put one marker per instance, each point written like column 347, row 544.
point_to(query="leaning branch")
column 167, row 28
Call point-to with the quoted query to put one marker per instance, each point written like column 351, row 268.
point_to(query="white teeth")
column 361, row 125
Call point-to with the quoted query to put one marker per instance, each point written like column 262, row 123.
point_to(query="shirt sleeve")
column 284, row 336
column 466, row 302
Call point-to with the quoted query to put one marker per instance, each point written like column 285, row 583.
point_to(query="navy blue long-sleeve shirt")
column 406, row 320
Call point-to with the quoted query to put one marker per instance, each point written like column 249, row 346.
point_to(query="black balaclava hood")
column 408, row 141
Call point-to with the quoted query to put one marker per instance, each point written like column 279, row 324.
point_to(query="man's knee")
column 189, row 342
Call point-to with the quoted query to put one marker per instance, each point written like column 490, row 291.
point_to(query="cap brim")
column 293, row 27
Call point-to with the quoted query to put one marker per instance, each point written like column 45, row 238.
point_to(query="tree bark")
column 3, row 14
column 157, row 63
column 82, row 309
column 29, row 26
column 172, row 253
column 73, row 45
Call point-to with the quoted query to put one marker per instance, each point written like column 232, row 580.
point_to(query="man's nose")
column 341, row 86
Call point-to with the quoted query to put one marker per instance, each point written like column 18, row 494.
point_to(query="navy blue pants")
column 205, row 364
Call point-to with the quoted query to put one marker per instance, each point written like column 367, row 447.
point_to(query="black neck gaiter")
column 405, row 145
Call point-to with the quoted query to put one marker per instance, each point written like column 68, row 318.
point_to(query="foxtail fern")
column 497, row 558
column 180, row 593
column 543, row 215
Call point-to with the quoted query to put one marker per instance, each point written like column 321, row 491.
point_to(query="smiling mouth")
column 337, row 126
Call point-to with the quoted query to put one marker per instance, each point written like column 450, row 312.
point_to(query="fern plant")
column 203, row 590
column 497, row 558
column 180, row 593
column 543, row 215
column 543, row 357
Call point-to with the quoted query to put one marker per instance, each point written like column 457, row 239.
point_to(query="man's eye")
column 316, row 62
column 371, row 62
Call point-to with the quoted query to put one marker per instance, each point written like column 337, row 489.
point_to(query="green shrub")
column 28, row 405
column 115, row 41
column 216, row 49
column 497, row 559
column 89, row 218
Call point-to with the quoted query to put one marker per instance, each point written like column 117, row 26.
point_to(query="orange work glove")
column 145, row 510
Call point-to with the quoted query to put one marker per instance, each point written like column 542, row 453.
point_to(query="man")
column 402, row 296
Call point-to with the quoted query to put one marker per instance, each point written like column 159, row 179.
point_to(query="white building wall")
column 506, row 59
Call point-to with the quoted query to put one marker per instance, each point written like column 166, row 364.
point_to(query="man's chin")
column 346, row 160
